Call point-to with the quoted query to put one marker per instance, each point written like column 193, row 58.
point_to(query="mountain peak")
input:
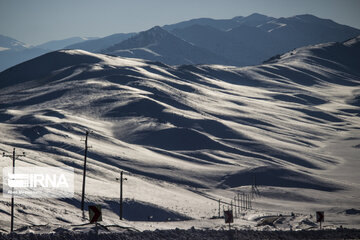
column 143, row 39
column 7, row 43
column 253, row 20
column 156, row 28
column 156, row 31
column 256, row 16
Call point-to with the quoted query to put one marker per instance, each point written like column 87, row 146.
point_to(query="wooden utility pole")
column 250, row 206
column 84, row 171
column 13, row 156
column 235, row 205
column 241, row 205
column 121, row 194
column 238, row 201
column 219, row 208
column 246, row 202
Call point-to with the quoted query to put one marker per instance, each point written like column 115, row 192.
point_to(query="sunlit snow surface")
column 187, row 136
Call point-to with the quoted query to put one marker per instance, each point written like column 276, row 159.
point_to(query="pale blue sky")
column 38, row 21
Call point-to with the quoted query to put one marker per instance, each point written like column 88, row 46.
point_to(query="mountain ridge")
column 240, row 48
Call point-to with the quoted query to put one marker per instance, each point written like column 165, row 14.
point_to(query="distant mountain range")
column 240, row 41
column 13, row 52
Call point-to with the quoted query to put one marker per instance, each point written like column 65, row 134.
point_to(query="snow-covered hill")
column 188, row 136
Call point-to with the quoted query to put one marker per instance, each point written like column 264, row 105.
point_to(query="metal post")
column 84, row 172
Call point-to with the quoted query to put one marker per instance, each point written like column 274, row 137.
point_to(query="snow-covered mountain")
column 257, row 37
column 302, row 30
column 63, row 43
column 96, row 45
column 189, row 135
column 222, row 24
column 243, row 45
column 8, row 43
column 13, row 52
column 157, row 44
column 240, row 41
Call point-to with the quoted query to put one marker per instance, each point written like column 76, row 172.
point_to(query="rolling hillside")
column 188, row 135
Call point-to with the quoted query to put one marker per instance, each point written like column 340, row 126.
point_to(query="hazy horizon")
column 39, row 21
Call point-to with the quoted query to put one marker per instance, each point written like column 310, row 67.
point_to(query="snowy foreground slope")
column 188, row 136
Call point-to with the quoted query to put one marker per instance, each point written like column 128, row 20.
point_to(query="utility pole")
column 13, row 156
column 84, row 172
column 121, row 194
column 244, row 198
column 219, row 208
column 250, row 207
column 242, row 202
column 246, row 201
column 235, row 205
column 256, row 187
column 238, row 201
